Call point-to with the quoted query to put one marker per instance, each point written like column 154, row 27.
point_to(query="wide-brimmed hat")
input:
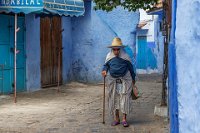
column 117, row 42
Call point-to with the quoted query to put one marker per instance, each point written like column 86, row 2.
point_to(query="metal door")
column 7, row 54
column 142, row 53
column 145, row 56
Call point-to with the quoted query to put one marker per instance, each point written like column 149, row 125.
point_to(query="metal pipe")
column 15, row 61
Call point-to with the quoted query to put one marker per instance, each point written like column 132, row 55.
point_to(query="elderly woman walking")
column 120, row 80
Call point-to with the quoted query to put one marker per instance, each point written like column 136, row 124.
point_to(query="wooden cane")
column 59, row 54
column 104, row 86
column 58, row 74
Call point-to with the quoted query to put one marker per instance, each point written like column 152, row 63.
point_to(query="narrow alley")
column 78, row 109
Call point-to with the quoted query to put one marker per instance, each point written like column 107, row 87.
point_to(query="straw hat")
column 117, row 42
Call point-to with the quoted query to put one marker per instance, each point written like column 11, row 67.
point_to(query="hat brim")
column 117, row 46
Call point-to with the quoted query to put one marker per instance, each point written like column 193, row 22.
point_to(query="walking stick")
column 58, row 89
column 59, row 54
column 104, row 86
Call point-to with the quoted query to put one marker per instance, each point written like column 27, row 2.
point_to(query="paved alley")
column 78, row 109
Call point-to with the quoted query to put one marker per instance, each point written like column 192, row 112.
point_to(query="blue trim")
column 173, row 102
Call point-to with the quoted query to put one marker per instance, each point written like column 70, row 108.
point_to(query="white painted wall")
column 144, row 16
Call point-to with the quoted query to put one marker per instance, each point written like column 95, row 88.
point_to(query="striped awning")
column 61, row 7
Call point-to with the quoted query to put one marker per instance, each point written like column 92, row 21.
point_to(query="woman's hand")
column 104, row 73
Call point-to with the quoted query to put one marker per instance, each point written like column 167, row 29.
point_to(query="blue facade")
column 67, row 49
column 85, row 40
column 33, row 52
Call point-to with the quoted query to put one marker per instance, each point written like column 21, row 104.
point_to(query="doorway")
column 145, row 56
column 51, row 43
column 7, row 54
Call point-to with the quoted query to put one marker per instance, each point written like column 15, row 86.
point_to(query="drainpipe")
column 15, row 64
column 15, row 60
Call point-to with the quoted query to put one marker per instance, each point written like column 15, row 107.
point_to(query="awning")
column 61, row 7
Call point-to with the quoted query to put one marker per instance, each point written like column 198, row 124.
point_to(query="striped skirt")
column 119, row 94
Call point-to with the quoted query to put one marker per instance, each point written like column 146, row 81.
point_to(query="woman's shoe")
column 125, row 124
column 115, row 123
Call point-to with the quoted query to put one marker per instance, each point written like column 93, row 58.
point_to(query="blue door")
column 7, row 54
column 145, row 57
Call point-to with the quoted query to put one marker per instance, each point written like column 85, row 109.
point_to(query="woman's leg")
column 116, row 106
column 124, row 117
column 117, row 103
column 116, row 118
column 116, row 115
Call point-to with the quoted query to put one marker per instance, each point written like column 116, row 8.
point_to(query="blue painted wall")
column 85, row 40
column 32, row 52
column 172, row 87
column 82, row 45
column 67, row 49
column 122, row 23
column 92, row 34
column 187, row 38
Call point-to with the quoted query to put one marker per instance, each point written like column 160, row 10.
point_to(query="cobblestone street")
column 78, row 109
